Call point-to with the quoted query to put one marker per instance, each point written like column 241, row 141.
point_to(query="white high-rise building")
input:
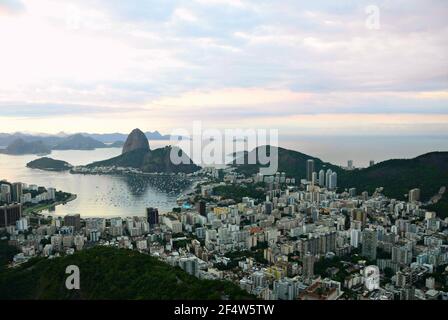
column 327, row 178
column 51, row 193
column 258, row 279
column 333, row 181
column 22, row 224
column 372, row 277
column 210, row 235
column 314, row 178
column 78, row 242
column 355, row 236
column 321, row 178
column 17, row 191
column 189, row 265
column 5, row 193
column 94, row 235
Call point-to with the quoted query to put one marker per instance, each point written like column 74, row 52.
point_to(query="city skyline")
column 108, row 66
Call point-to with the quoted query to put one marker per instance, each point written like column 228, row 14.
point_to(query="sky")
column 303, row 67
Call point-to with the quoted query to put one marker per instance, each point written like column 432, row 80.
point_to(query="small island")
column 49, row 164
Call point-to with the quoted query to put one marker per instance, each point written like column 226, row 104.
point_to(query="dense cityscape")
column 286, row 239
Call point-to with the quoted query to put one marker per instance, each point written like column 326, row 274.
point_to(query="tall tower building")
column 401, row 255
column 73, row 220
column 152, row 216
column 10, row 214
column 268, row 207
column 369, row 243
column 354, row 238
column 333, row 181
column 308, row 265
column 321, row 177
column 309, row 169
column 314, row 178
column 202, row 208
column 17, row 191
column 327, row 178
column 359, row 215
column 5, row 193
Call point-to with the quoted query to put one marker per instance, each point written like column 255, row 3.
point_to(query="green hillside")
column 109, row 273
column 428, row 172
column 441, row 207
column 289, row 161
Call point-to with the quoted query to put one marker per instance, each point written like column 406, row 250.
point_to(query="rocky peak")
column 136, row 140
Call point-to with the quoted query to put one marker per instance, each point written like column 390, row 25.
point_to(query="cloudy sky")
column 304, row 67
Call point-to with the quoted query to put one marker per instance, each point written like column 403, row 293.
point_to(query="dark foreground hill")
column 110, row 273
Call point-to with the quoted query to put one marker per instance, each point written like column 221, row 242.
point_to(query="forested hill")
column 428, row 172
column 110, row 273
column 293, row 163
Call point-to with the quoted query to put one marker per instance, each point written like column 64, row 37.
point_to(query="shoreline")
column 37, row 211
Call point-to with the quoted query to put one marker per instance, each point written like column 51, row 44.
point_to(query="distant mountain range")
column 112, row 137
column 75, row 142
column 8, row 138
column 54, row 139
column 20, row 147
column 22, row 143
column 79, row 142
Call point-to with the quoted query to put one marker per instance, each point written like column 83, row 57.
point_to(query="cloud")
column 11, row 7
column 43, row 110
column 234, row 103
column 224, row 60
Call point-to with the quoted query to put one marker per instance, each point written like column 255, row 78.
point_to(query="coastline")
column 39, row 208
